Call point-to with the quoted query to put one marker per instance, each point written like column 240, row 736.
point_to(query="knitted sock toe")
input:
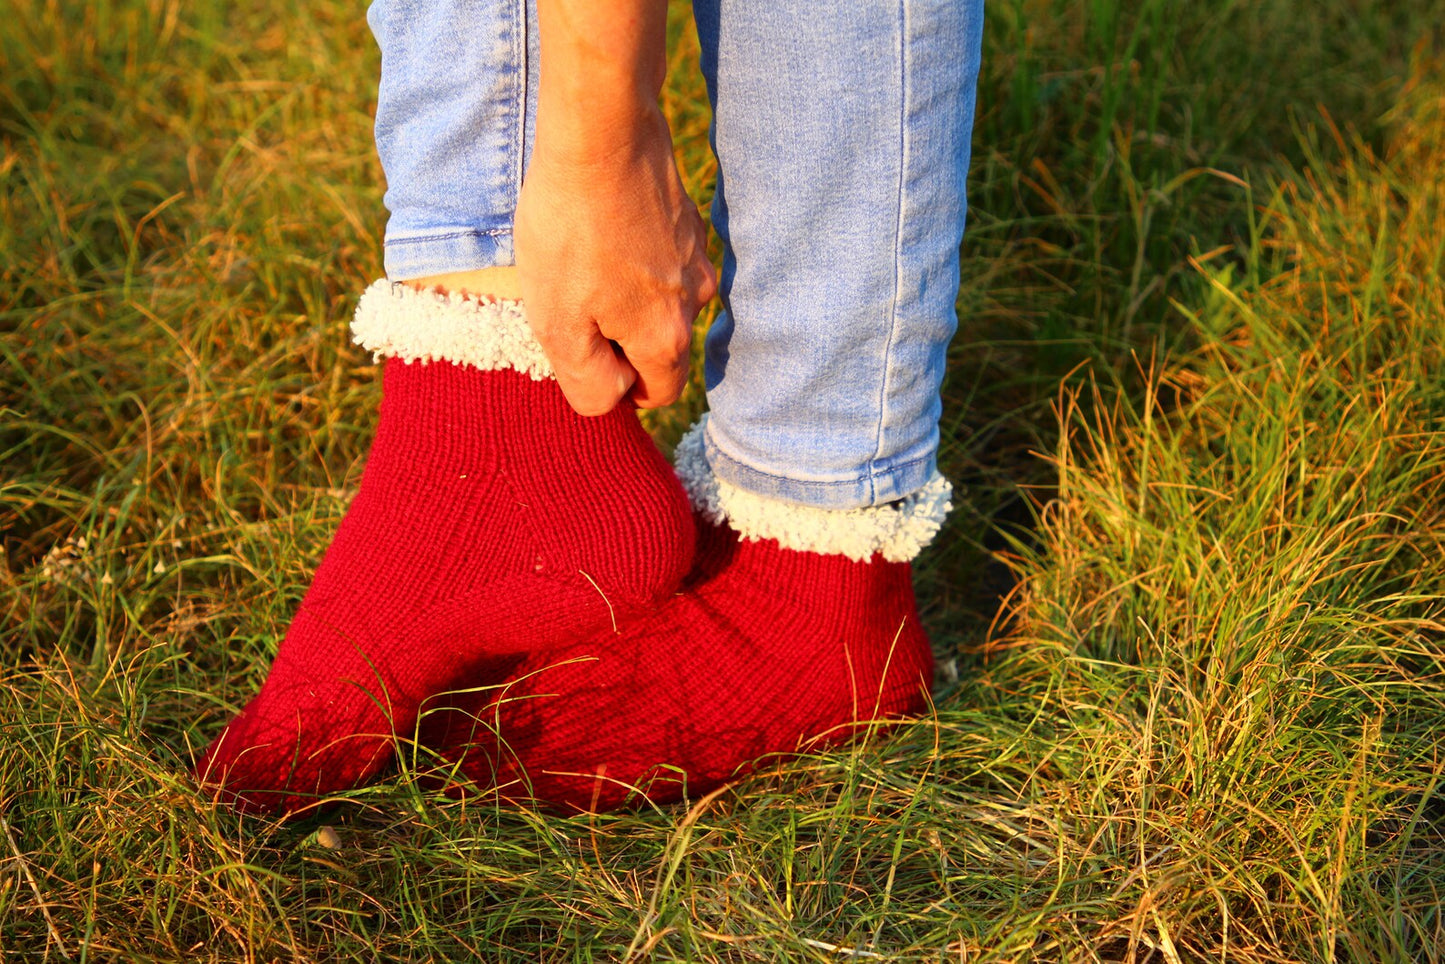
column 797, row 628
column 491, row 519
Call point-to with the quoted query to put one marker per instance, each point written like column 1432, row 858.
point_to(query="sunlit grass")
column 1190, row 610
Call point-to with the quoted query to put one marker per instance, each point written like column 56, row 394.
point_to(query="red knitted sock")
column 491, row 519
column 766, row 649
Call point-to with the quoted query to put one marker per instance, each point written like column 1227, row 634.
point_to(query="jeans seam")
column 519, row 54
column 449, row 236
column 892, row 334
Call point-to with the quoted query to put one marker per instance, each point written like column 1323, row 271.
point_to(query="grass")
column 1190, row 610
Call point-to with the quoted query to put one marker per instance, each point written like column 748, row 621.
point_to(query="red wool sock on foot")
column 797, row 629
column 491, row 519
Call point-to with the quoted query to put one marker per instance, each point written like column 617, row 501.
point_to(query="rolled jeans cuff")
column 878, row 486
column 445, row 251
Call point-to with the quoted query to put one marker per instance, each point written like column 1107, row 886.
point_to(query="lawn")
column 1189, row 611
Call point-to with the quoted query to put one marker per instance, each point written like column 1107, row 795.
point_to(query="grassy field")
column 1189, row 612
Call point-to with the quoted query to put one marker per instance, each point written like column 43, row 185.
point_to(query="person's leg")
column 491, row 518
column 455, row 113
column 842, row 133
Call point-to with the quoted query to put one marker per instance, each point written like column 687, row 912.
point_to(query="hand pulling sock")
column 796, row 629
column 491, row 519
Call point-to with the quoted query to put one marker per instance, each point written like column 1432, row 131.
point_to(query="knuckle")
column 659, row 398
column 704, row 287
column 682, row 342
column 664, row 354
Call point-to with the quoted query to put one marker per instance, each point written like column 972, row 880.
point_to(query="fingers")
column 642, row 351
column 662, row 364
column 704, row 273
column 593, row 375
column 662, row 355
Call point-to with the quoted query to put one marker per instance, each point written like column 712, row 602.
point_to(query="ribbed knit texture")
column 766, row 650
column 491, row 519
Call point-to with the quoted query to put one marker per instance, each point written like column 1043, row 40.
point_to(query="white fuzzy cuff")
column 397, row 321
column 898, row 532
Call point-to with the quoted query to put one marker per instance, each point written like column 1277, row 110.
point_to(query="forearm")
column 602, row 67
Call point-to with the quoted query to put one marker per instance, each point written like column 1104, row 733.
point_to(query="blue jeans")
column 842, row 132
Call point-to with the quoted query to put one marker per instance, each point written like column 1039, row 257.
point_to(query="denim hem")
column 897, row 531
column 447, row 251
column 873, row 488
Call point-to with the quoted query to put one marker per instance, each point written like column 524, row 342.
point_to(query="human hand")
column 612, row 262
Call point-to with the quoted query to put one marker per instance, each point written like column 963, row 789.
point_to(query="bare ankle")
column 483, row 283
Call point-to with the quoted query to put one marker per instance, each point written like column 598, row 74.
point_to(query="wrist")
column 600, row 136
column 601, row 71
